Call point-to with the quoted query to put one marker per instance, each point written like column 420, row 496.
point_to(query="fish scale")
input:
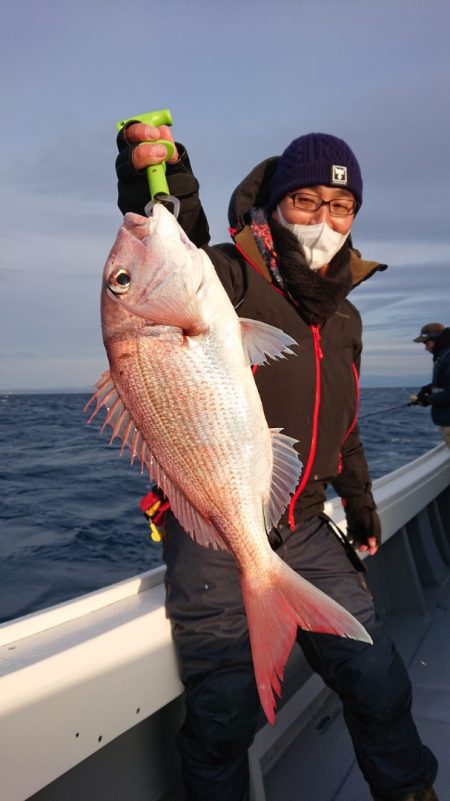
column 188, row 411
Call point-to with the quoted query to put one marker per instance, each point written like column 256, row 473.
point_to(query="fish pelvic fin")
column 275, row 609
column 286, row 471
column 261, row 341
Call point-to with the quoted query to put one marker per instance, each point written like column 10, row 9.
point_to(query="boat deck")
column 424, row 642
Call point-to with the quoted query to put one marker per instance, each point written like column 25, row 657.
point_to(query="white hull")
column 90, row 697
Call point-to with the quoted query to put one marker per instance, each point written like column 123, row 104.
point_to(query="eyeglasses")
column 339, row 207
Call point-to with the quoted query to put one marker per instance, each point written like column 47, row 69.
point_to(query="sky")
column 242, row 79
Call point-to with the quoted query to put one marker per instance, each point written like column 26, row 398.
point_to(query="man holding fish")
column 288, row 270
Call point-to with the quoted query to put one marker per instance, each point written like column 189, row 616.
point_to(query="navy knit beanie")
column 312, row 160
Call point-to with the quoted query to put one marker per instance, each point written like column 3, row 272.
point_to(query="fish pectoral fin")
column 286, row 472
column 260, row 341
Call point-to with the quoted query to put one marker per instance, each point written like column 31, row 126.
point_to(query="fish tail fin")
column 275, row 610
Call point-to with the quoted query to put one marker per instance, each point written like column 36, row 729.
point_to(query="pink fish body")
column 181, row 396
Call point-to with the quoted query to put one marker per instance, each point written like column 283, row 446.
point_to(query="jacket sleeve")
column 133, row 191
column 354, row 486
column 441, row 395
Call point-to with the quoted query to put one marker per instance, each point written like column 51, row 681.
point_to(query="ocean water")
column 70, row 520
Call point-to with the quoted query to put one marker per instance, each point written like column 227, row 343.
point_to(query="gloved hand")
column 363, row 526
column 424, row 398
column 134, row 157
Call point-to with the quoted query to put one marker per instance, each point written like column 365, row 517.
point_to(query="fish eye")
column 119, row 282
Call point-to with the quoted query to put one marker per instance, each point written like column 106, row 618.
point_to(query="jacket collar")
column 360, row 269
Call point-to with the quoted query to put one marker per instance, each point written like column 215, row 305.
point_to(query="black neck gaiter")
column 317, row 297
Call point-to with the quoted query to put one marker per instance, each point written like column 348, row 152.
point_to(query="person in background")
column 291, row 264
column 436, row 338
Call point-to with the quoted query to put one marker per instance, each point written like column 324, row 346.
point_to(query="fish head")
column 154, row 276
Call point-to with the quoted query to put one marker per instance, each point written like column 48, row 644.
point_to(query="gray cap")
column 429, row 331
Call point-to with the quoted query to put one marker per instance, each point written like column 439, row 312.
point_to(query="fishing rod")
column 390, row 409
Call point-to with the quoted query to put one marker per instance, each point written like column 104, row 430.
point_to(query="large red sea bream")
column 181, row 396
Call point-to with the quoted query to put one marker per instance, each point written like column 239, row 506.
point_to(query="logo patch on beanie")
column 339, row 175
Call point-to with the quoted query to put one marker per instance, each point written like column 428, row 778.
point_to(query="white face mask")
column 319, row 242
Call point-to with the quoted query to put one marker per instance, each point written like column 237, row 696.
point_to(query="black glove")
column 132, row 186
column 362, row 522
column 424, row 397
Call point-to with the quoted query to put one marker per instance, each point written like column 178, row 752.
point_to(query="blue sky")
column 242, row 80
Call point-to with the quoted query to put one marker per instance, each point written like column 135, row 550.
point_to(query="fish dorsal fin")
column 261, row 341
column 120, row 420
column 286, row 471
column 124, row 427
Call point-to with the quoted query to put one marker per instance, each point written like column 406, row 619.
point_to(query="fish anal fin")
column 261, row 341
column 286, row 472
column 201, row 530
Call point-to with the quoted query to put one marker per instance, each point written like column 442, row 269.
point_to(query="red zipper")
column 318, row 355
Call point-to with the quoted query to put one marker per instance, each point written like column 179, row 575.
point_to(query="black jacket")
column 437, row 393
column 312, row 396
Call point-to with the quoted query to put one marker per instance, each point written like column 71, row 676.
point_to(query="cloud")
column 238, row 93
